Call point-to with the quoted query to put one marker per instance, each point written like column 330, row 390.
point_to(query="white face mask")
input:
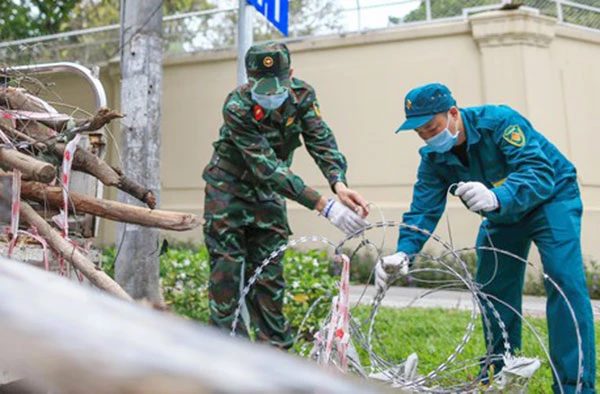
column 444, row 141
column 270, row 101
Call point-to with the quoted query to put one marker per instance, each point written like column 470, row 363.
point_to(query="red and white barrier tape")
column 338, row 331
column 62, row 220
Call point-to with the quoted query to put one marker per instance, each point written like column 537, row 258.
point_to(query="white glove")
column 391, row 265
column 342, row 217
column 477, row 196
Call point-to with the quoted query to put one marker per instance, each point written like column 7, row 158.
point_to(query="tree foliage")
column 93, row 13
column 450, row 8
column 442, row 9
column 31, row 18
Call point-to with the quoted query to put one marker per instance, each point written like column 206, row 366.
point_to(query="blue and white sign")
column 276, row 12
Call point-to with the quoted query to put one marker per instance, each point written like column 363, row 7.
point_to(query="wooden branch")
column 25, row 106
column 18, row 98
column 23, row 137
column 110, row 209
column 17, row 134
column 70, row 253
column 60, row 122
column 37, row 131
column 85, row 161
column 30, row 167
column 102, row 118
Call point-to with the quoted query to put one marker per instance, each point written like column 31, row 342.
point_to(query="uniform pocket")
column 227, row 183
column 564, row 219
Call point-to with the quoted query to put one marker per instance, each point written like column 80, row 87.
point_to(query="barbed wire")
column 448, row 376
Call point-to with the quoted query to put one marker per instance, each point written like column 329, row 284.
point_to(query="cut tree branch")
column 30, row 167
column 112, row 210
column 87, row 162
column 26, row 107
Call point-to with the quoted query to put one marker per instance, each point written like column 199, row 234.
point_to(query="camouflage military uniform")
column 247, row 180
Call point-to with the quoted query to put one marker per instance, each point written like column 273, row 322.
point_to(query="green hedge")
column 184, row 281
column 310, row 276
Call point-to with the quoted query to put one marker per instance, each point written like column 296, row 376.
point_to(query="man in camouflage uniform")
column 248, row 179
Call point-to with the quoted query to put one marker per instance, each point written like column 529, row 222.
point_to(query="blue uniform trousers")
column 555, row 227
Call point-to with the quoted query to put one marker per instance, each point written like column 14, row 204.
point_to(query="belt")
column 244, row 175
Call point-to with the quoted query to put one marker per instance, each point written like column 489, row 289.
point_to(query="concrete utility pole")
column 136, row 267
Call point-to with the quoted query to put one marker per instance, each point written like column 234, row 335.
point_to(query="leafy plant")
column 184, row 281
column 310, row 283
column 184, row 272
column 592, row 277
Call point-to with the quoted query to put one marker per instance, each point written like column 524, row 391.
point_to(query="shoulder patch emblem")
column 514, row 136
column 316, row 109
column 258, row 112
column 289, row 122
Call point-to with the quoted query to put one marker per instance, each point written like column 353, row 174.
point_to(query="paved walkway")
column 399, row 297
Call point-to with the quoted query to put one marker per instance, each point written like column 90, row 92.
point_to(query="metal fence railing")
column 216, row 28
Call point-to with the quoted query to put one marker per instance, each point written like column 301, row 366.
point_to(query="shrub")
column 592, row 277
column 184, row 281
column 184, row 272
column 309, row 280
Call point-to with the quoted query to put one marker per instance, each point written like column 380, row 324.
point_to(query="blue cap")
column 423, row 103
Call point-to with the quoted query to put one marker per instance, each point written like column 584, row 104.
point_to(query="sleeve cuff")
column 339, row 178
column 504, row 198
column 309, row 197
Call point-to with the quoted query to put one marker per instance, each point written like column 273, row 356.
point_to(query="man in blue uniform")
column 527, row 191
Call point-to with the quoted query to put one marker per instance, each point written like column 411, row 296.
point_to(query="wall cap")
column 512, row 27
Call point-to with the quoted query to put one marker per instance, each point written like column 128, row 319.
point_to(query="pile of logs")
column 33, row 150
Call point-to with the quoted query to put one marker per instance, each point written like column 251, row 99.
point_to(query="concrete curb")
column 401, row 297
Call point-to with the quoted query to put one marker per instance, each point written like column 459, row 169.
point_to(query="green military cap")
column 268, row 68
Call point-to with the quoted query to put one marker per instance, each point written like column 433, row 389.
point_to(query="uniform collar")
column 293, row 95
column 291, row 103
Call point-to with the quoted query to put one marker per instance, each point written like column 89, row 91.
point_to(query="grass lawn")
column 434, row 334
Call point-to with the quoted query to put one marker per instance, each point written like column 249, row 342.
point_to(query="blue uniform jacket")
column 507, row 155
